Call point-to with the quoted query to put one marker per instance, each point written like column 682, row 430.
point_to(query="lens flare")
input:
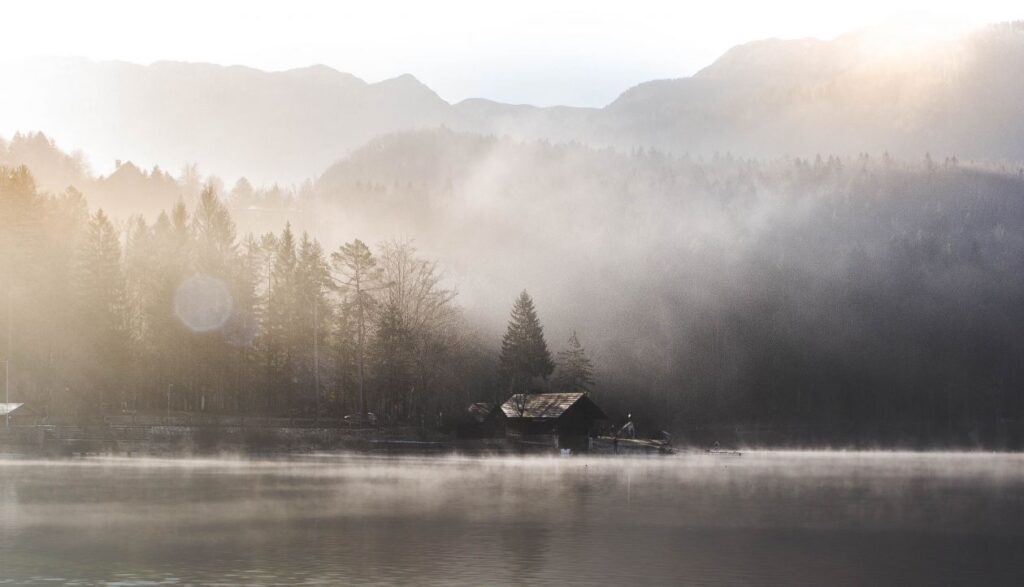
column 203, row 303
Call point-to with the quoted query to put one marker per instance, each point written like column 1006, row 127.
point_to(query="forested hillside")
column 863, row 300
column 823, row 298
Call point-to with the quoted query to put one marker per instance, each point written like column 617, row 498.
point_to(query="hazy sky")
column 578, row 52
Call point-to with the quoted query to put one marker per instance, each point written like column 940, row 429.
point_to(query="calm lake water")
column 759, row 519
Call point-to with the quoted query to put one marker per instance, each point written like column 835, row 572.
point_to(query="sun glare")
column 908, row 38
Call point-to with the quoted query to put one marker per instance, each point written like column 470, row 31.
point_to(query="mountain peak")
column 405, row 87
column 323, row 73
column 406, row 80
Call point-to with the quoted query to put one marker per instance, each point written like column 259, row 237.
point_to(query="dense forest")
column 183, row 315
column 854, row 300
column 861, row 301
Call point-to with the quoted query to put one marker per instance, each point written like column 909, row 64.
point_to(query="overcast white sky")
column 578, row 52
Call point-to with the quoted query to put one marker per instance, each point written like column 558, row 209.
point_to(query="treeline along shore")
column 856, row 301
column 180, row 315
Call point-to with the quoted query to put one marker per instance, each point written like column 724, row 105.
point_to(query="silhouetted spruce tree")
column 575, row 371
column 524, row 353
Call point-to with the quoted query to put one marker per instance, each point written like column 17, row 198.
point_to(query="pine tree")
column 524, row 353
column 21, row 212
column 166, row 267
column 66, row 220
column 215, row 256
column 214, row 232
column 35, row 310
column 102, row 305
column 391, row 353
column 313, row 281
column 282, row 320
column 575, row 371
column 242, row 328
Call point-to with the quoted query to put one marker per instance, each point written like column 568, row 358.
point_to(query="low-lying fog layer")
column 859, row 301
column 852, row 518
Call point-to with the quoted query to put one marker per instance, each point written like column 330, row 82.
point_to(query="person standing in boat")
column 628, row 430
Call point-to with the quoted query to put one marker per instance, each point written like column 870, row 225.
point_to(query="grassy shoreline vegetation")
column 829, row 301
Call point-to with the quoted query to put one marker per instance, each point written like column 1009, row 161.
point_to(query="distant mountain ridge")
column 235, row 120
column 961, row 97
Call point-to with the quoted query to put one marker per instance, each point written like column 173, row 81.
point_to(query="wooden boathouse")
column 559, row 420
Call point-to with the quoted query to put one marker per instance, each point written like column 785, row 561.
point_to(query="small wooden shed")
column 481, row 420
column 563, row 420
column 18, row 414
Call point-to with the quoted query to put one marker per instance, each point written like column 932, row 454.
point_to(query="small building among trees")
column 481, row 420
column 561, row 420
column 18, row 414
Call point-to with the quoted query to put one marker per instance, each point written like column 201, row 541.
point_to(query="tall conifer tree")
column 575, row 371
column 102, row 309
column 524, row 352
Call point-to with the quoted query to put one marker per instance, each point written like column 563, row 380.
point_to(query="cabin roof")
column 548, row 405
column 480, row 410
column 6, row 409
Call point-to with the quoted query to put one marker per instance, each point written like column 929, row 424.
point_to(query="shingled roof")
column 6, row 409
column 547, row 405
column 480, row 410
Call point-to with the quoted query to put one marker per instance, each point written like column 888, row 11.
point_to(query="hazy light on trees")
column 203, row 303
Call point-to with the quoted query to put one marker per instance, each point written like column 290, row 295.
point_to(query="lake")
column 764, row 518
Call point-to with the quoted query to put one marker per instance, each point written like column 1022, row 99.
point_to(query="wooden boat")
column 609, row 444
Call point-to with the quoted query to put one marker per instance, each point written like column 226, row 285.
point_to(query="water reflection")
column 769, row 518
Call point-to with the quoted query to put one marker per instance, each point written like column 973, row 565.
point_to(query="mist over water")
column 763, row 518
column 811, row 243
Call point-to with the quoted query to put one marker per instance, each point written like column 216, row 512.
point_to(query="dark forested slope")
column 852, row 299
column 863, row 299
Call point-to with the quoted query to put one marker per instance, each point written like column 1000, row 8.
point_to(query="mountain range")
column 861, row 92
